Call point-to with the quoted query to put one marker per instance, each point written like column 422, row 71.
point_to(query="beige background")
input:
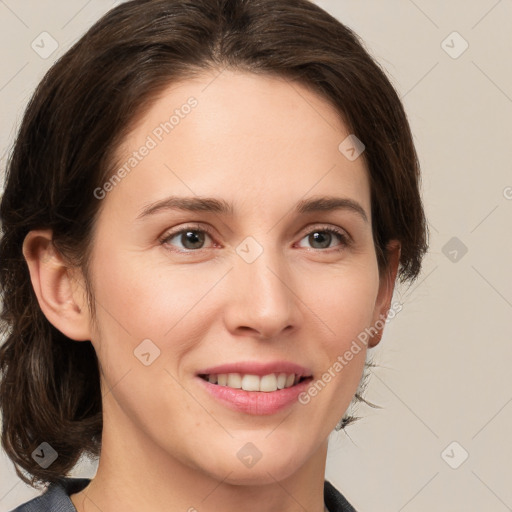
column 444, row 372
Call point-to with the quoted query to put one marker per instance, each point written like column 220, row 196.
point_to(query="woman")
column 205, row 213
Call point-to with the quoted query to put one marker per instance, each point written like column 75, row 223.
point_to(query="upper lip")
column 257, row 368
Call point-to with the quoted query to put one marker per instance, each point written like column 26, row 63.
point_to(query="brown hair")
column 80, row 112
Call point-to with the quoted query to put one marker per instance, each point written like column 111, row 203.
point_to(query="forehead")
column 256, row 140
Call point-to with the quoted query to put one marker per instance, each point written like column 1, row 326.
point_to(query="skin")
column 263, row 144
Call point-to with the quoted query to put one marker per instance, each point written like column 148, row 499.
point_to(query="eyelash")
column 343, row 237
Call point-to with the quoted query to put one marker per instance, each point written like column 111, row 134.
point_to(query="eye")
column 191, row 237
column 323, row 237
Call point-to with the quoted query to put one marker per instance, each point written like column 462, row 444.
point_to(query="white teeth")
column 251, row 383
column 281, row 380
column 266, row 383
column 234, row 380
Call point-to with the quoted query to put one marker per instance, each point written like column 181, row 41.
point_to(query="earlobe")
column 386, row 289
column 61, row 297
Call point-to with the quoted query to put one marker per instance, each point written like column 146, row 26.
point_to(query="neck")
column 136, row 474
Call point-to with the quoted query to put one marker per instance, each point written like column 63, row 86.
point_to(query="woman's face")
column 260, row 280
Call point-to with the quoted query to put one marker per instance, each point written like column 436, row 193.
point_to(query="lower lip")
column 256, row 402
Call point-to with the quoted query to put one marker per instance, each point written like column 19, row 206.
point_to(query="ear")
column 386, row 289
column 61, row 295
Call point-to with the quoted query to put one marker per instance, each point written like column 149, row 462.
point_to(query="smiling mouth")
column 247, row 382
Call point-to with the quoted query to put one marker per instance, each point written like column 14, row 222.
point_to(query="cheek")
column 140, row 293
column 345, row 310
column 138, row 301
column 342, row 302
column 157, row 301
column 142, row 310
column 175, row 304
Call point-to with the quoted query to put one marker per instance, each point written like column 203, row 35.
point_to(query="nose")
column 262, row 301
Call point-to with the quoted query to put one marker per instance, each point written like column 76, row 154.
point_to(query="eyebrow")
column 220, row 206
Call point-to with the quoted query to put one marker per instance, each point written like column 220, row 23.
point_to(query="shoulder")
column 334, row 500
column 56, row 497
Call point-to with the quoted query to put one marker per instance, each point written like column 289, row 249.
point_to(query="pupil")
column 193, row 239
column 318, row 236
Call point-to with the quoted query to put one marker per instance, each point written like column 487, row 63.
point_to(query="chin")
column 250, row 466
column 262, row 475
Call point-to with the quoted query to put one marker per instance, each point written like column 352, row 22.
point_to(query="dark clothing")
column 56, row 498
